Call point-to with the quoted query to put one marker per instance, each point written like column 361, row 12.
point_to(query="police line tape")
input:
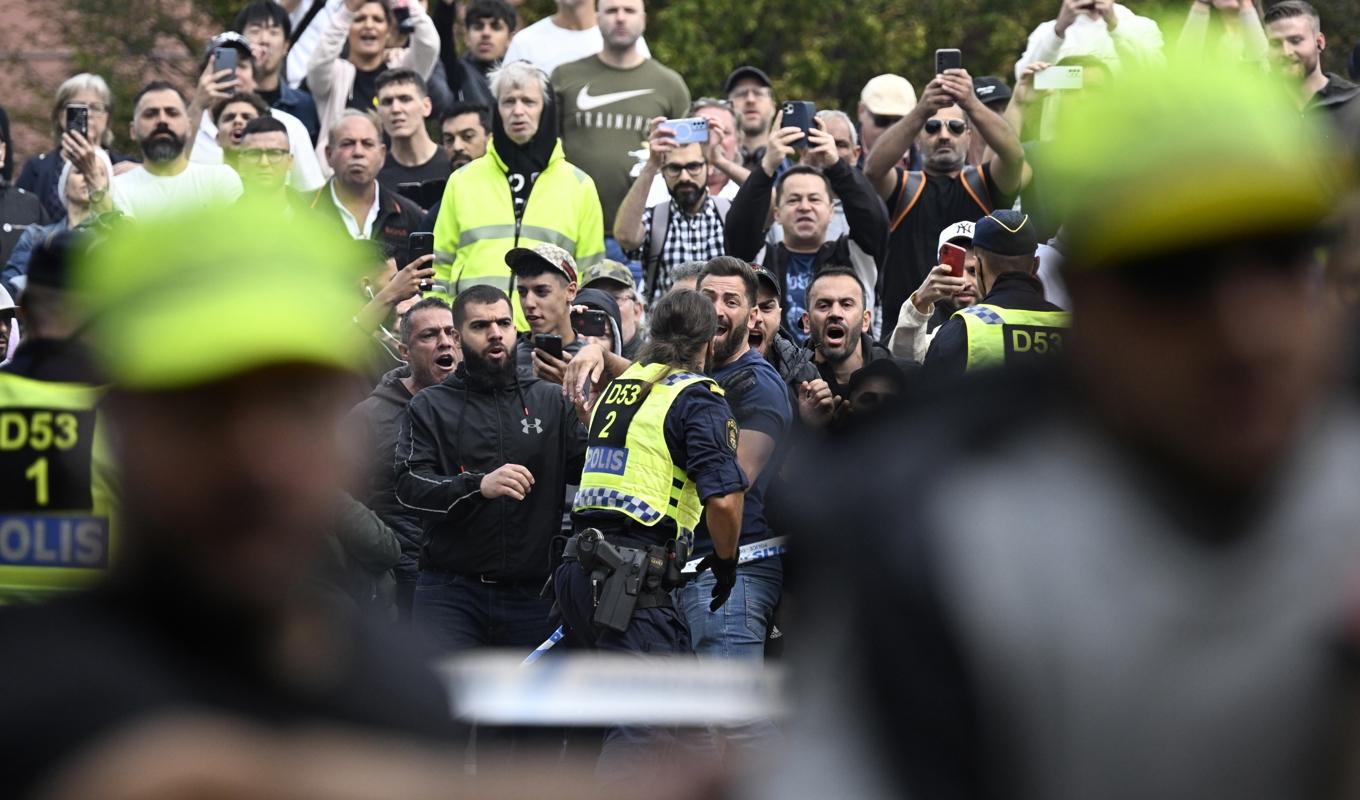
column 604, row 689
column 755, row 551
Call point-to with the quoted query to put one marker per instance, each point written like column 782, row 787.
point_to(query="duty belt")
column 627, row 578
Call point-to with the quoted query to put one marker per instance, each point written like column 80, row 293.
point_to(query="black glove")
column 724, row 575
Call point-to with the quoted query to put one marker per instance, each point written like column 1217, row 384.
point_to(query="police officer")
column 662, row 452
column 1012, row 323
column 57, row 506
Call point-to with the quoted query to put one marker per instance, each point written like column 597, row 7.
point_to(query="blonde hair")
column 84, row 82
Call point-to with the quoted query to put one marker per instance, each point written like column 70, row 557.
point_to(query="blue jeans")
column 614, row 252
column 461, row 613
column 737, row 630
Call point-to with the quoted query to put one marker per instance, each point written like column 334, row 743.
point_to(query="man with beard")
column 1296, row 41
column 937, row 298
column 490, row 456
column 353, row 197
column 167, row 180
column 759, row 400
column 522, row 194
column 921, row 204
column 607, row 101
column 792, row 362
column 837, row 323
column 749, row 91
column 686, row 227
column 465, row 132
column 431, row 353
column 1012, row 323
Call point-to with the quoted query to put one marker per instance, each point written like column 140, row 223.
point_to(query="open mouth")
column 835, row 334
column 444, row 361
column 495, row 353
column 755, row 338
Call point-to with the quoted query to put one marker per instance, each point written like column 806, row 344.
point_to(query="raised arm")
column 1009, row 165
column 423, row 53
column 894, row 142
column 628, row 229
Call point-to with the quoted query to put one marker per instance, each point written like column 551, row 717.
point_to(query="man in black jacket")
column 803, row 206
column 491, row 455
column 427, row 344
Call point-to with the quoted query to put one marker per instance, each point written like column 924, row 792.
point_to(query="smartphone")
column 949, row 58
column 1059, row 78
column 951, row 255
column 403, row 16
column 591, row 322
column 549, row 343
column 417, row 245
column 689, row 130
column 78, row 118
column 799, row 113
column 225, row 58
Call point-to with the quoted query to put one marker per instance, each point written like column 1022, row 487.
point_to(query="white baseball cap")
column 959, row 230
column 888, row 95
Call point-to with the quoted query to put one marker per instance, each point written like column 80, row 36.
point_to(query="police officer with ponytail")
column 1012, row 323
column 661, row 453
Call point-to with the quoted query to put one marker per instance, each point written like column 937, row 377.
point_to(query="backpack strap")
column 910, row 186
column 656, row 240
column 975, row 183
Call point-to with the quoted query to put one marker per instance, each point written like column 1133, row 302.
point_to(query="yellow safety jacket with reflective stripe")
column 476, row 225
column 628, row 465
column 57, row 507
column 999, row 335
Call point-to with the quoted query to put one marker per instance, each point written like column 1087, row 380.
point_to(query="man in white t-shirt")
column 305, row 175
column 167, row 180
column 571, row 34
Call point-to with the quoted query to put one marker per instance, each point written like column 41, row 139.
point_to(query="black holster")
column 626, row 578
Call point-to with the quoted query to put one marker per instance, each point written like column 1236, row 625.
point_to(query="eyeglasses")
column 95, row 108
column 269, row 155
column 709, row 102
column 693, row 168
column 956, row 126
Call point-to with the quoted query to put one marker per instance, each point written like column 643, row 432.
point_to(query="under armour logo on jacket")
column 536, row 426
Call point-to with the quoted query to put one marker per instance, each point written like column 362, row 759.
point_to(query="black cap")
column 991, row 89
column 50, row 264
column 766, row 276
column 1006, row 233
column 746, row 71
column 230, row 39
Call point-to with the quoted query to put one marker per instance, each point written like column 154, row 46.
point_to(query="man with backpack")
column 687, row 227
column 921, row 204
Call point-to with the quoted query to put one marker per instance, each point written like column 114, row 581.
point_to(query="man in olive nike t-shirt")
column 607, row 99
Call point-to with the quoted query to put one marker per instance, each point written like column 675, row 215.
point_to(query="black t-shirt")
column 365, row 94
column 912, row 247
column 270, row 98
column 394, row 174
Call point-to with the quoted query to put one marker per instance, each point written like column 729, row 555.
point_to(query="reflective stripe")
column 444, row 257
column 535, row 232
column 598, row 497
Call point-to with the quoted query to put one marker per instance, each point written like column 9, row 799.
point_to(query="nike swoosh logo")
column 587, row 102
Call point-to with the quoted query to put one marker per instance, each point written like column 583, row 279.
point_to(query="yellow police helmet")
column 1166, row 159
column 192, row 297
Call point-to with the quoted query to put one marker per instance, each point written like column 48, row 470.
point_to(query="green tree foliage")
column 826, row 51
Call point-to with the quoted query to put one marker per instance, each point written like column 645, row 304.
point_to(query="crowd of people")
column 410, row 331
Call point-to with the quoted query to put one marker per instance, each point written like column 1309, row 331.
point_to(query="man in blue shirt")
column 760, row 404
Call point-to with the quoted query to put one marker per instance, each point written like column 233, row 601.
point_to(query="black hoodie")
column 525, row 161
column 470, row 425
column 375, row 423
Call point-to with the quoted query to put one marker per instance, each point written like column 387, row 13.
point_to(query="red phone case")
column 952, row 256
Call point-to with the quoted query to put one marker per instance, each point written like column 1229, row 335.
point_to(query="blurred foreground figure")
column 1127, row 583
column 224, row 435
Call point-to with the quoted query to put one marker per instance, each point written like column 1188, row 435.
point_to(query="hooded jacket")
column 375, row 423
column 479, row 220
column 456, row 433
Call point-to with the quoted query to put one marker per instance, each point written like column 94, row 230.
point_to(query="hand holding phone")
column 549, row 343
column 799, row 114
column 952, row 256
column 78, row 119
column 1059, row 78
column 224, row 58
column 590, row 322
column 949, row 58
column 417, row 245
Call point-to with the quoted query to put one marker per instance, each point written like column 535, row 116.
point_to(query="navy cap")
column 1006, row 233
column 991, row 89
column 765, row 275
column 747, row 71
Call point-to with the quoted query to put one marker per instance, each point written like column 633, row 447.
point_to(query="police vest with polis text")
column 629, row 468
column 57, row 506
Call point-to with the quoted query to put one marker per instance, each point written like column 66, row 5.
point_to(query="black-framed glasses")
column 956, row 126
column 693, row 168
column 271, row 155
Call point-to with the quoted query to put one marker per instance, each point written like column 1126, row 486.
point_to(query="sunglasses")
column 956, row 126
column 885, row 120
column 693, row 168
